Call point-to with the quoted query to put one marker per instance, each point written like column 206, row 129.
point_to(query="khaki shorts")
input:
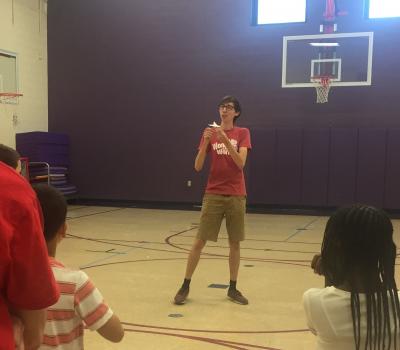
column 215, row 208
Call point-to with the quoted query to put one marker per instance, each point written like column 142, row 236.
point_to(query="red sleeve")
column 30, row 281
column 245, row 138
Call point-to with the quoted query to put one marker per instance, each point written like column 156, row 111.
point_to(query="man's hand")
column 207, row 133
column 221, row 136
column 316, row 264
column 201, row 154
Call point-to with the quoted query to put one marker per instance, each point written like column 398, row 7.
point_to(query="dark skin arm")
column 316, row 264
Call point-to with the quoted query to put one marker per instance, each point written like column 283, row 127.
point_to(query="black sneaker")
column 181, row 296
column 237, row 297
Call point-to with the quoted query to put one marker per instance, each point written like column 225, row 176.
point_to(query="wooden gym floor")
column 137, row 258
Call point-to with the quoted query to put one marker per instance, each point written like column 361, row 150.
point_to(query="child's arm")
column 18, row 330
column 94, row 312
column 112, row 330
column 34, row 322
column 316, row 264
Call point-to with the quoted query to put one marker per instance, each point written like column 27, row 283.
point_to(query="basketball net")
column 323, row 83
column 322, row 87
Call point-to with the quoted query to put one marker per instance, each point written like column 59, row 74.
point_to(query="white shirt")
column 329, row 317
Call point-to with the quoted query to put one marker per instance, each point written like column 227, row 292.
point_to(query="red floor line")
column 225, row 343
column 214, row 331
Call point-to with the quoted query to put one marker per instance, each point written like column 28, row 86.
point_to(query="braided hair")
column 358, row 252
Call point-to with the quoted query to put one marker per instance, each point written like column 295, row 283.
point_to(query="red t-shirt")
column 26, row 279
column 225, row 176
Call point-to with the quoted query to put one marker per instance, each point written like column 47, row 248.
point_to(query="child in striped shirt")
column 80, row 304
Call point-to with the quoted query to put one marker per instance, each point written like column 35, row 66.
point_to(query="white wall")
column 23, row 30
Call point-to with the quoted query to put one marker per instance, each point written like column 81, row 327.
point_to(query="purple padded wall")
column 342, row 166
column 371, row 164
column 288, row 166
column 315, row 172
column 136, row 127
column 261, row 175
column 392, row 182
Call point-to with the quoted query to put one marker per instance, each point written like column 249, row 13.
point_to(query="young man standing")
column 225, row 194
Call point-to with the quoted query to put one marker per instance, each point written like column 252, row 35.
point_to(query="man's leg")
column 234, row 259
column 235, row 228
column 234, row 262
column 194, row 257
column 212, row 213
column 193, row 260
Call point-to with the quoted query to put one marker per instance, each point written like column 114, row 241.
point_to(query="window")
column 280, row 11
column 383, row 8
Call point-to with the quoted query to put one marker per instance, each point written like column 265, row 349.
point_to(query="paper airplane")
column 214, row 125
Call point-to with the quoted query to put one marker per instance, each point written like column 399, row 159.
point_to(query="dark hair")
column 54, row 208
column 9, row 156
column 358, row 251
column 236, row 104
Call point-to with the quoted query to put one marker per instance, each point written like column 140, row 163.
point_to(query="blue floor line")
column 106, row 258
column 302, row 229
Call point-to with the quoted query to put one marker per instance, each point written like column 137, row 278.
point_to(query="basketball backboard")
column 345, row 57
column 8, row 77
column 8, row 71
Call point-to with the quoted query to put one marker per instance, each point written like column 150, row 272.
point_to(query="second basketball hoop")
column 9, row 97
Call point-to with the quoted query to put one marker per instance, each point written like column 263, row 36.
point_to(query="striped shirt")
column 80, row 305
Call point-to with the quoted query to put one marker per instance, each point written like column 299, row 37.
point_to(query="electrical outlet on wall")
column 189, row 183
column 15, row 119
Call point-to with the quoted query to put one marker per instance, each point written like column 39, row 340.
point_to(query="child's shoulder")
column 312, row 292
column 328, row 293
column 67, row 274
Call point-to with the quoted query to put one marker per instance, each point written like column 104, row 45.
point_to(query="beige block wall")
column 23, row 30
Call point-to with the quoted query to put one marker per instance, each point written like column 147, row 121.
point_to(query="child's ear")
column 65, row 229
column 62, row 231
column 19, row 167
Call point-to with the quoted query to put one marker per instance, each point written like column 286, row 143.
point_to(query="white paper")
column 214, row 125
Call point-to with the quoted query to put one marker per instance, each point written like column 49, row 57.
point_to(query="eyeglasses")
column 227, row 107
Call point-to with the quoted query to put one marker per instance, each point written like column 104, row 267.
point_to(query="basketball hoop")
column 9, row 97
column 322, row 86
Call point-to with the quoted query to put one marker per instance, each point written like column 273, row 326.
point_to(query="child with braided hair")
column 359, row 309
